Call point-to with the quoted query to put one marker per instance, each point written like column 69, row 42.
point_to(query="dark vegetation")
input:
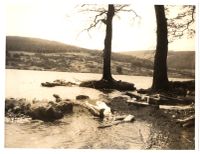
column 38, row 54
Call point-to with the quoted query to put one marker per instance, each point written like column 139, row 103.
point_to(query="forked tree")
column 105, row 15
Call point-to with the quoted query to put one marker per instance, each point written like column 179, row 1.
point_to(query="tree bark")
column 160, row 77
column 108, row 45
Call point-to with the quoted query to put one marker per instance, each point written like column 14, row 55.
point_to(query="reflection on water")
column 79, row 130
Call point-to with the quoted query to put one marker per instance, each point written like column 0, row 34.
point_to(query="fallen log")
column 94, row 111
column 137, row 103
column 110, row 124
column 178, row 108
column 100, row 109
column 129, row 118
column 165, row 100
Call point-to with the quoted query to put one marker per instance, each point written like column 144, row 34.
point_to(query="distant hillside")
column 144, row 54
column 176, row 59
column 16, row 43
column 39, row 54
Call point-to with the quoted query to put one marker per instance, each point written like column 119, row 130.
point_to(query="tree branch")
column 101, row 12
column 183, row 23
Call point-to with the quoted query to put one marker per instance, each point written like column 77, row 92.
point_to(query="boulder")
column 41, row 110
column 65, row 106
column 45, row 113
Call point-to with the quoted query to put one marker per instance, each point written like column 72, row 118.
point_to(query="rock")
column 82, row 97
column 20, row 106
column 51, row 111
column 10, row 104
column 57, row 83
column 38, row 112
column 57, row 97
column 47, row 84
column 65, row 106
column 45, row 113
column 41, row 110
column 16, row 109
column 53, row 114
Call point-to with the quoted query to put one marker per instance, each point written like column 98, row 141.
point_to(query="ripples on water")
column 78, row 130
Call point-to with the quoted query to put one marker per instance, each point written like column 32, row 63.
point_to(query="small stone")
column 173, row 116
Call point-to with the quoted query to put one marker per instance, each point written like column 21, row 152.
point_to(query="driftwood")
column 100, row 109
column 158, row 99
column 177, row 108
column 189, row 121
column 110, row 124
column 137, row 103
column 119, row 120
column 166, row 100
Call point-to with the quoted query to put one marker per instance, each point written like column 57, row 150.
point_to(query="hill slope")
column 16, row 43
column 178, row 59
column 39, row 54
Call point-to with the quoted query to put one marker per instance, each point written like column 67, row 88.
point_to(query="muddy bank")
column 166, row 132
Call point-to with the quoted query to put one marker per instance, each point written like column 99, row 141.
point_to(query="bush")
column 119, row 69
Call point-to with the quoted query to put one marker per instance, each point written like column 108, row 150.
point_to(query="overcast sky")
column 59, row 20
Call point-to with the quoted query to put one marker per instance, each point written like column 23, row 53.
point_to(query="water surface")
column 79, row 130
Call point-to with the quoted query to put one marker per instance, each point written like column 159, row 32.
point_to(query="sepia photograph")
column 118, row 76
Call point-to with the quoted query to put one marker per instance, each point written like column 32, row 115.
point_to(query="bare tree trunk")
column 160, row 77
column 108, row 45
